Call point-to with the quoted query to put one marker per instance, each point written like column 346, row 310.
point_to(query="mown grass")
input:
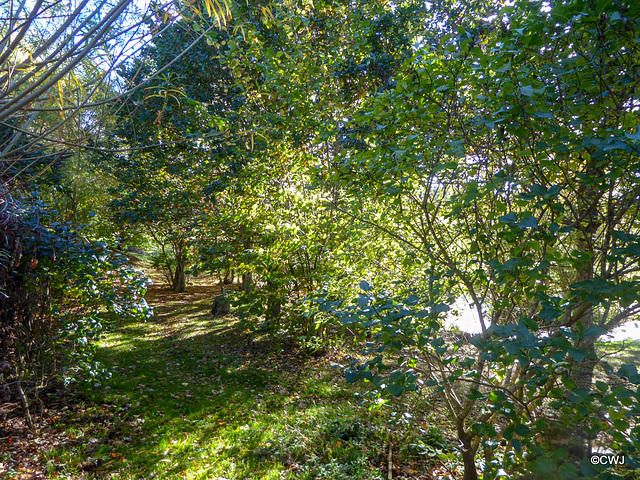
column 197, row 397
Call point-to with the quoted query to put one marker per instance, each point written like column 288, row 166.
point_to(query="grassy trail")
column 197, row 397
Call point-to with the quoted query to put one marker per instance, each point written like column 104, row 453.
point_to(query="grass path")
column 196, row 397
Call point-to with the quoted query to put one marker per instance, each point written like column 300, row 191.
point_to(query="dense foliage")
column 385, row 160
column 58, row 292
column 510, row 157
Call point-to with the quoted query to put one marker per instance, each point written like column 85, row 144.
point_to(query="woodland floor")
column 197, row 397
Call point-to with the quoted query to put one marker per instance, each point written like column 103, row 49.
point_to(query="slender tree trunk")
column 23, row 397
column 179, row 283
column 468, row 456
column 247, row 278
column 588, row 222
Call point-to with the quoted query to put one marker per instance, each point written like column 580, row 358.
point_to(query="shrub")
column 58, row 292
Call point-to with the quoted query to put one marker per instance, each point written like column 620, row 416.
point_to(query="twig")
column 25, row 406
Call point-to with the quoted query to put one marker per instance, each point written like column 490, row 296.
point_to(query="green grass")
column 196, row 397
column 614, row 354
column 618, row 353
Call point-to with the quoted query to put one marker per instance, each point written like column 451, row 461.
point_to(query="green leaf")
column 506, row 68
column 568, row 382
column 544, row 465
column 578, row 353
column 630, row 372
column 537, row 190
column 474, row 394
column 528, row 222
column 508, row 432
column 516, row 443
column 594, row 331
column 441, row 308
column 586, row 468
column 527, row 91
column 351, row 375
column 549, row 312
column 634, row 136
column 363, row 300
column 497, row 396
column 624, row 237
column 395, row 389
column 509, row 218
column 544, row 115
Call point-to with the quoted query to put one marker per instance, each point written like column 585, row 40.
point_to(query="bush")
column 58, row 292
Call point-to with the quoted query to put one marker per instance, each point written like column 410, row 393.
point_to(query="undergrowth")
column 197, row 397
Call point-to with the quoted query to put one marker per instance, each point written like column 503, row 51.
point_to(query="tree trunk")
column 274, row 310
column 582, row 371
column 247, row 278
column 588, row 222
column 247, row 281
column 228, row 277
column 468, row 456
column 179, row 282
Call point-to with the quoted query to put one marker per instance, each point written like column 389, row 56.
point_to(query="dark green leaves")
column 395, row 389
column 509, row 219
column 363, row 300
column 630, row 372
column 523, row 222
column 527, row 222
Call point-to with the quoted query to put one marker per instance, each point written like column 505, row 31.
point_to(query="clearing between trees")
column 192, row 396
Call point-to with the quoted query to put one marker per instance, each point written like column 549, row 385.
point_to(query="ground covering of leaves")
column 197, row 397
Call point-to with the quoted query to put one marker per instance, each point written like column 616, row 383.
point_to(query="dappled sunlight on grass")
column 192, row 396
column 621, row 352
column 197, row 397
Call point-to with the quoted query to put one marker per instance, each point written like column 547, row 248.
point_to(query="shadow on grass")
column 194, row 396
column 619, row 353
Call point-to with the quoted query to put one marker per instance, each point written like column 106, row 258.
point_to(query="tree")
column 57, row 289
column 299, row 81
column 55, row 61
column 57, row 293
column 176, row 133
column 510, row 154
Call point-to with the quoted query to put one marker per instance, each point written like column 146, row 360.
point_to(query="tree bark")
column 179, row 282
column 589, row 221
column 468, row 456
column 247, row 278
column 247, row 281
